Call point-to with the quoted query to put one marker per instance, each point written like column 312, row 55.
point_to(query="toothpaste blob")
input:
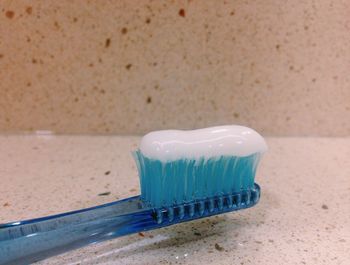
column 231, row 140
column 177, row 167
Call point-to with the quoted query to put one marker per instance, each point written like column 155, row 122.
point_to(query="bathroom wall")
column 121, row 67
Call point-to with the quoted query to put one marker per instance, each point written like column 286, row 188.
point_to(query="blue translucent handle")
column 33, row 240
column 29, row 241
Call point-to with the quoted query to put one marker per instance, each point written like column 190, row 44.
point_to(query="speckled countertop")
column 302, row 218
column 125, row 66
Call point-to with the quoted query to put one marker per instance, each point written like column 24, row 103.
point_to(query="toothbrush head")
column 200, row 172
column 207, row 207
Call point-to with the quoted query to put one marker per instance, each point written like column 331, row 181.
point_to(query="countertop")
column 302, row 217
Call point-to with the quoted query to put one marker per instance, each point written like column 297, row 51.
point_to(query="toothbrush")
column 184, row 175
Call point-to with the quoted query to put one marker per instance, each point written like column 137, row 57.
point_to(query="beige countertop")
column 302, row 218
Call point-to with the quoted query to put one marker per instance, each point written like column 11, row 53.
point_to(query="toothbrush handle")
column 33, row 240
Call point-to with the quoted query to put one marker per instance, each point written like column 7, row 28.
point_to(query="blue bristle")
column 186, row 180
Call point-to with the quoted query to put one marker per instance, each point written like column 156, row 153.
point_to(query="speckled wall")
column 282, row 67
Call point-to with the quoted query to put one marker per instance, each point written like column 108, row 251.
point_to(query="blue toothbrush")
column 184, row 175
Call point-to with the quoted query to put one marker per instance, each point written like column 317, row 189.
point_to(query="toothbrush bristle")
column 188, row 181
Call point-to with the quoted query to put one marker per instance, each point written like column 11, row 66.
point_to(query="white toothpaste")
column 230, row 140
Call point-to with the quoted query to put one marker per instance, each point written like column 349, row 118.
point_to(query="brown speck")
column 107, row 42
column 232, row 13
column 287, row 118
column 132, row 190
column 148, row 20
column 236, row 115
column 218, row 247
column 34, row 61
column 313, row 80
column 29, row 10
column 76, row 99
column 278, row 47
column 155, row 64
column 128, row 66
column 324, row 207
column 102, row 91
column 104, row 193
column 197, row 234
column 75, row 19
column 182, row 12
column 306, row 27
column 141, row 234
column 258, row 242
column 29, row 84
column 291, row 67
column 107, row 172
column 6, row 204
column 149, row 100
column 1, row 56
column 213, row 103
column 91, row 65
column 57, row 26
column 271, row 240
column 124, row 30
column 10, row 14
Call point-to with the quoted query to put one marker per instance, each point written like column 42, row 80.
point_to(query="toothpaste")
column 230, row 140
